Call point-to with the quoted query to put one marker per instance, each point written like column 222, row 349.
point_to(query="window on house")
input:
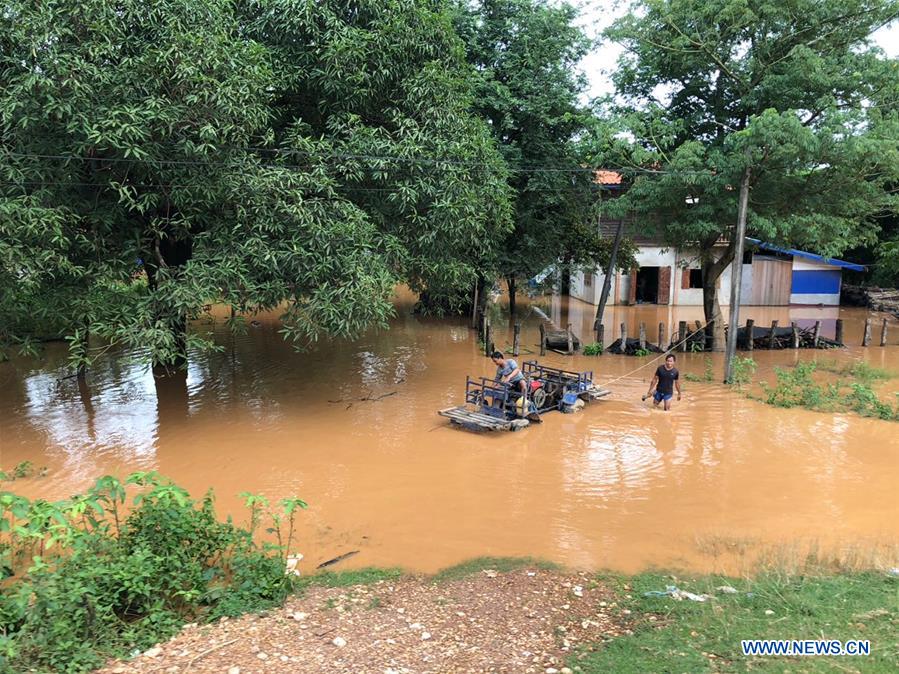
column 695, row 278
column 588, row 280
column 747, row 257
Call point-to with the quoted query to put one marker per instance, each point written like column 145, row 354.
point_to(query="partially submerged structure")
column 772, row 276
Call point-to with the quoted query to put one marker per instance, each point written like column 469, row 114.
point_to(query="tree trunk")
column 168, row 257
column 512, row 292
column 565, row 288
column 711, row 272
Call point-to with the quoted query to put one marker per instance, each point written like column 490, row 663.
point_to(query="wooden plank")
column 461, row 412
column 468, row 414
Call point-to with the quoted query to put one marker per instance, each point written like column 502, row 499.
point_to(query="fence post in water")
column 838, row 333
column 542, row 339
column 643, row 336
column 601, row 336
column 516, row 338
column 817, row 335
column 771, row 334
column 622, row 348
column 708, row 335
column 866, row 339
column 883, row 333
column 682, row 334
column 488, row 347
column 662, row 344
column 750, row 342
column 570, row 337
column 482, row 324
column 795, row 329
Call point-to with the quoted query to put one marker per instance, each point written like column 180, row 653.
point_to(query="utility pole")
column 607, row 281
column 736, row 276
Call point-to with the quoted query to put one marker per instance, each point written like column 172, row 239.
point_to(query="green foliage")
column 742, row 370
column 642, row 352
column 778, row 92
column 88, row 578
column 23, row 469
column 594, row 349
column 207, row 153
column 708, row 374
column 687, row 636
column 525, row 53
column 796, row 387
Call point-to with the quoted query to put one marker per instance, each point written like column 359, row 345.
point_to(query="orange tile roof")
column 607, row 177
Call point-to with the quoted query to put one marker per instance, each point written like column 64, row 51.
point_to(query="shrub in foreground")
column 84, row 580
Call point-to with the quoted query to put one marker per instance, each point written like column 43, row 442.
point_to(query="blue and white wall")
column 815, row 283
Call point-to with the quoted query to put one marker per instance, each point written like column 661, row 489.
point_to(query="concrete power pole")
column 736, row 277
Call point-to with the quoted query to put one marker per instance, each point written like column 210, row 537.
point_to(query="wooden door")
column 772, row 281
column 664, row 285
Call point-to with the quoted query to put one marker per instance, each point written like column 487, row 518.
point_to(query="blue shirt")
column 507, row 369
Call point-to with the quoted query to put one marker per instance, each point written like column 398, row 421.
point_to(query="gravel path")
column 527, row 620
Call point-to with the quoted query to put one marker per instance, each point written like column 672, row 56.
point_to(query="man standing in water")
column 663, row 383
column 508, row 372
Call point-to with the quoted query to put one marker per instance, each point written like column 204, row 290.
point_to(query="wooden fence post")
column 482, row 323
column 866, row 339
column 623, row 346
column 838, row 334
column 795, row 329
column 750, row 342
column 488, row 347
column 542, row 339
column 516, row 338
column 662, row 344
column 816, row 340
column 883, row 333
column 682, row 334
column 771, row 334
column 570, row 336
column 643, row 336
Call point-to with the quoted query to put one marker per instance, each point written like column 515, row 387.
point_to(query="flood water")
column 712, row 485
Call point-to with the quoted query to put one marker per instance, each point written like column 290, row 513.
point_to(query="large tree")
column 784, row 97
column 526, row 54
column 158, row 157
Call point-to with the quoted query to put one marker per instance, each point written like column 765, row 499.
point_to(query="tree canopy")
column 789, row 92
column 159, row 157
column 528, row 90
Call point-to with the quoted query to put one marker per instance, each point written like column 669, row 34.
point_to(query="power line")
column 436, row 162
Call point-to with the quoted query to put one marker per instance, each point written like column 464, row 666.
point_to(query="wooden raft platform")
column 476, row 420
column 595, row 393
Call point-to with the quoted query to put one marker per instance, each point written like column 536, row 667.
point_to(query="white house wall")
column 821, row 280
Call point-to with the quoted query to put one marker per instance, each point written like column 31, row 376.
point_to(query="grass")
column 687, row 636
column 366, row 576
column 500, row 564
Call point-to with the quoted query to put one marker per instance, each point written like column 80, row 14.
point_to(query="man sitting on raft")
column 508, row 372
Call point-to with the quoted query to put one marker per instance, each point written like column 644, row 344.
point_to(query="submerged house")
column 772, row 276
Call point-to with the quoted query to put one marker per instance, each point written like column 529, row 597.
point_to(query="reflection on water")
column 351, row 427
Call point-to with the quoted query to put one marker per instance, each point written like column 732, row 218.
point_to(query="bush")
column 594, row 349
column 795, row 387
column 84, row 584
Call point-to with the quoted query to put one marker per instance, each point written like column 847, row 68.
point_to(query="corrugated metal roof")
column 604, row 177
column 809, row 256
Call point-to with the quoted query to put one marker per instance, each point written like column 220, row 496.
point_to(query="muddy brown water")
column 716, row 484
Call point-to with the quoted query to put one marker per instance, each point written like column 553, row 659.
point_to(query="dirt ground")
column 528, row 620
